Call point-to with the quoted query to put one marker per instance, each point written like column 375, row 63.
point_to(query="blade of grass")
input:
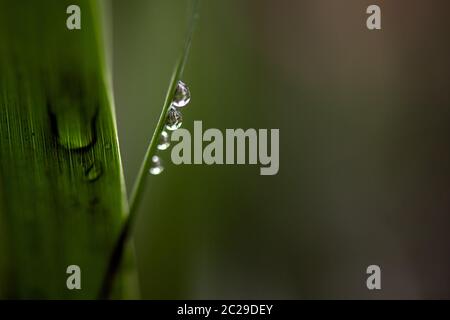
column 139, row 185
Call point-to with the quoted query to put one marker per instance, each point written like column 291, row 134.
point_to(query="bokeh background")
column 364, row 125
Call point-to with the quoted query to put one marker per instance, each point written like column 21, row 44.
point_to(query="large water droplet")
column 74, row 131
column 182, row 95
column 174, row 119
column 73, row 112
column 93, row 171
column 163, row 142
column 156, row 167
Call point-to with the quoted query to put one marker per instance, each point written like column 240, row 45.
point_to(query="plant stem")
column 141, row 180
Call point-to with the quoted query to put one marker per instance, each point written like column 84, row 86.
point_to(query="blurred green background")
column 364, row 125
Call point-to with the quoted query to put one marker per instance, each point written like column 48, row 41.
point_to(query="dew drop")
column 156, row 167
column 182, row 95
column 93, row 171
column 163, row 142
column 174, row 119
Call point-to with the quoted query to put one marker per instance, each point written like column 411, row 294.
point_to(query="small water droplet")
column 156, row 167
column 163, row 142
column 174, row 119
column 108, row 146
column 182, row 95
column 93, row 171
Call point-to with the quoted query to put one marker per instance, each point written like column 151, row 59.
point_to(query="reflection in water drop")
column 163, row 142
column 94, row 171
column 182, row 95
column 174, row 119
column 156, row 167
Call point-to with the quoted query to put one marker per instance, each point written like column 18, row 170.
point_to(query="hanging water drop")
column 156, row 167
column 174, row 119
column 182, row 95
column 163, row 142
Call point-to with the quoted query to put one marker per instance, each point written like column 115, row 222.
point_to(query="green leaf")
column 62, row 197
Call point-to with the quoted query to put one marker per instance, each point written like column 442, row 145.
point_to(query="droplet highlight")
column 164, row 141
column 174, row 119
column 156, row 166
column 182, row 95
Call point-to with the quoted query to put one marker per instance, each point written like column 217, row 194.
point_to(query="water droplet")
column 93, row 171
column 73, row 114
column 74, row 131
column 156, row 167
column 163, row 142
column 182, row 95
column 174, row 119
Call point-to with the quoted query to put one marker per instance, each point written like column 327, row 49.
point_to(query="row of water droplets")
column 174, row 120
